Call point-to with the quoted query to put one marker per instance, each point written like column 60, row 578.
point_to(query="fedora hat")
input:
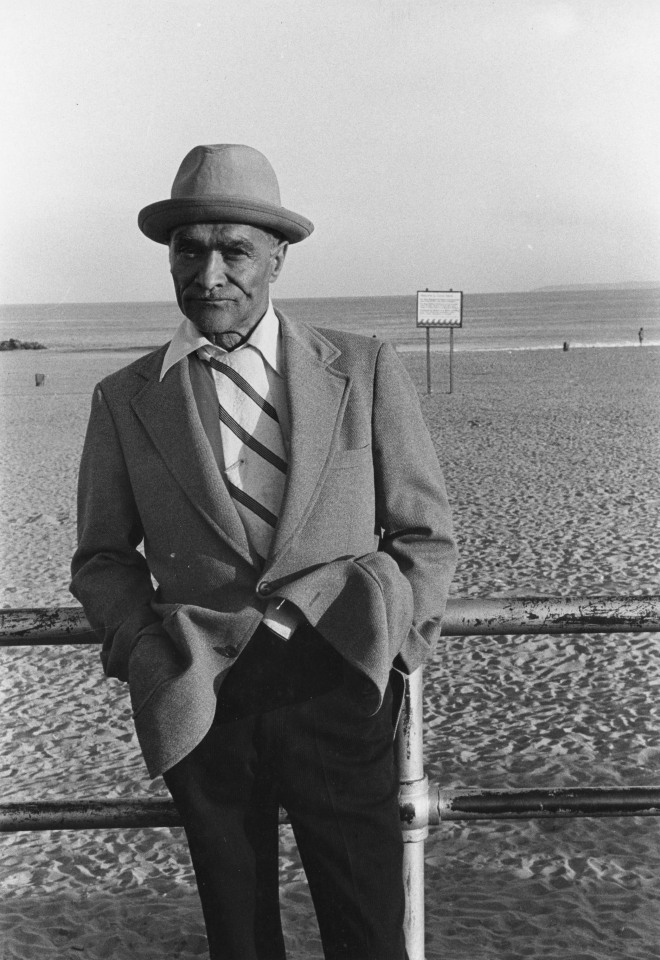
column 223, row 183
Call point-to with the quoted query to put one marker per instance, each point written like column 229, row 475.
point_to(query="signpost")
column 439, row 308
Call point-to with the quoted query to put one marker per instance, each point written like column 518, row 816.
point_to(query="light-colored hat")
column 223, row 183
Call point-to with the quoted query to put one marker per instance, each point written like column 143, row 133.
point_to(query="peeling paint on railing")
column 521, row 615
column 476, row 804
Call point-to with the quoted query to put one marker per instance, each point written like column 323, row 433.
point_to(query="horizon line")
column 553, row 288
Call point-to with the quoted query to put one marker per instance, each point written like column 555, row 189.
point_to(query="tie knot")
column 242, row 358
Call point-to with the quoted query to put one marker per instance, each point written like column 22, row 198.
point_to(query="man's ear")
column 278, row 256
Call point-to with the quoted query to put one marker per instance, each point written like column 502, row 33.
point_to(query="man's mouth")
column 211, row 299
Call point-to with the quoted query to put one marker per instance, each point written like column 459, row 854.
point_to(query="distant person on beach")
column 297, row 555
column 640, row 334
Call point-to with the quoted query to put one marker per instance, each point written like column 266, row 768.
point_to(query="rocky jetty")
column 13, row 344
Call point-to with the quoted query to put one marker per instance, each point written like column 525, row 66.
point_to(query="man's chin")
column 211, row 318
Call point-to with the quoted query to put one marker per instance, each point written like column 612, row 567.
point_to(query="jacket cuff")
column 282, row 617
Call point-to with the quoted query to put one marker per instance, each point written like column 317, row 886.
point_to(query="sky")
column 482, row 146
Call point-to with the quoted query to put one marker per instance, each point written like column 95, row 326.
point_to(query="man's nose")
column 212, row 271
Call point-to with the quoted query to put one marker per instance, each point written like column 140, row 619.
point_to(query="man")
column 297, row 558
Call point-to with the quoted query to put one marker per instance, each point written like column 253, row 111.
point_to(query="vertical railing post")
column 413, row 802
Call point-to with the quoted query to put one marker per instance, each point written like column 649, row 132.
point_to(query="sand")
column 551, row 462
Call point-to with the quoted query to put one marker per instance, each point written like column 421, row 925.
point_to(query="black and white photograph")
column 329, row 501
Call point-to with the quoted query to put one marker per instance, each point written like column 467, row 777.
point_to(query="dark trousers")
column 292, row 727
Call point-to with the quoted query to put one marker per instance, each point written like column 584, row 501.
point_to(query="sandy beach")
column 551, row 461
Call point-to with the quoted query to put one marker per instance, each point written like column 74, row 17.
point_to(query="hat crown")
column 226, row 170
column 223, row 183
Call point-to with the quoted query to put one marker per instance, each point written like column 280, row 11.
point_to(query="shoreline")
column 399, row 347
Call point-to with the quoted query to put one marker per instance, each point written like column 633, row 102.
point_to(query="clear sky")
column 484, row 145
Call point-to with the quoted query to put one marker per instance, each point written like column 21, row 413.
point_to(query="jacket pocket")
column 344, row 459
column 153, row 662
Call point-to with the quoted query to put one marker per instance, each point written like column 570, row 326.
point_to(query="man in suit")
column 296, row 558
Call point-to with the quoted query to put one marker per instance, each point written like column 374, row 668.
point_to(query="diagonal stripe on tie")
column 243, row 385
column 251, row 442
column 253, row 451
column 257, row 508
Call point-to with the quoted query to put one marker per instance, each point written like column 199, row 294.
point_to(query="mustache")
column 208, row 299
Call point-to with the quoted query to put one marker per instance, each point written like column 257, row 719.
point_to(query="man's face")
column 221, row 274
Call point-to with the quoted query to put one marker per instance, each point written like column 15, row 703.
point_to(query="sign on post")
column 439, row 308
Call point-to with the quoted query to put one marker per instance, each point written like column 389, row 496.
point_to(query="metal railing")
column 420, row 805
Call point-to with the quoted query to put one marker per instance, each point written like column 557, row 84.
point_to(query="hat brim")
column 158, row 220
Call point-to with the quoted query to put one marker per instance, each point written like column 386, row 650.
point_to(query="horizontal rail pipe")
column 87, row 815
column 54, row 626
column 506, row 616
column 477, row 804
column 439, row 807
column 520, row 615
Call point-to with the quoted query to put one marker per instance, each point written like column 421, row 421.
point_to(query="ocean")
column 499, row 321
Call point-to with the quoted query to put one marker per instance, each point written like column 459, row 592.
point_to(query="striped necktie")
column 255, row 460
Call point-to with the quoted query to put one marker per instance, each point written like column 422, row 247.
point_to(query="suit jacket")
column 363, row 546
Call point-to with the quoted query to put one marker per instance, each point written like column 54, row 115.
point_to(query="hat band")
column 158, row 220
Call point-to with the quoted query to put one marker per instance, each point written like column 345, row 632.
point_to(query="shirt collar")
column 265, row 337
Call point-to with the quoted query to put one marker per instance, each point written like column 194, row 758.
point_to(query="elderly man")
column 297, row 558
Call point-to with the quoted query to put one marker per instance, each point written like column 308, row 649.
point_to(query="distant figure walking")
column 640, row 334
column 39, row 379
column 565, row 347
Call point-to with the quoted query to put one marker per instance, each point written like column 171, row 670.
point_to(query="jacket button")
column 264, row 589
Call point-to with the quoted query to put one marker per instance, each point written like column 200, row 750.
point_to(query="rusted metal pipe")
column 92, row 815
column 519, row 615
column 87, row 815
column 463, row 617
column 529, row 804
column 54, row 626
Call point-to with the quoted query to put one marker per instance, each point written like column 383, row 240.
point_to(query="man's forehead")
column 213, row 232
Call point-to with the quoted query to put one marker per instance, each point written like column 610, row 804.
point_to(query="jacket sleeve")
column 412, row 509
column 110, row 576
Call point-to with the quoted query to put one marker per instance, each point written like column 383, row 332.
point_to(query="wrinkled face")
column 221, row 274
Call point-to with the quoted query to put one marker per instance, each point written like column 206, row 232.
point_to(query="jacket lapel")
column 317, row 397
column 168, row 412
